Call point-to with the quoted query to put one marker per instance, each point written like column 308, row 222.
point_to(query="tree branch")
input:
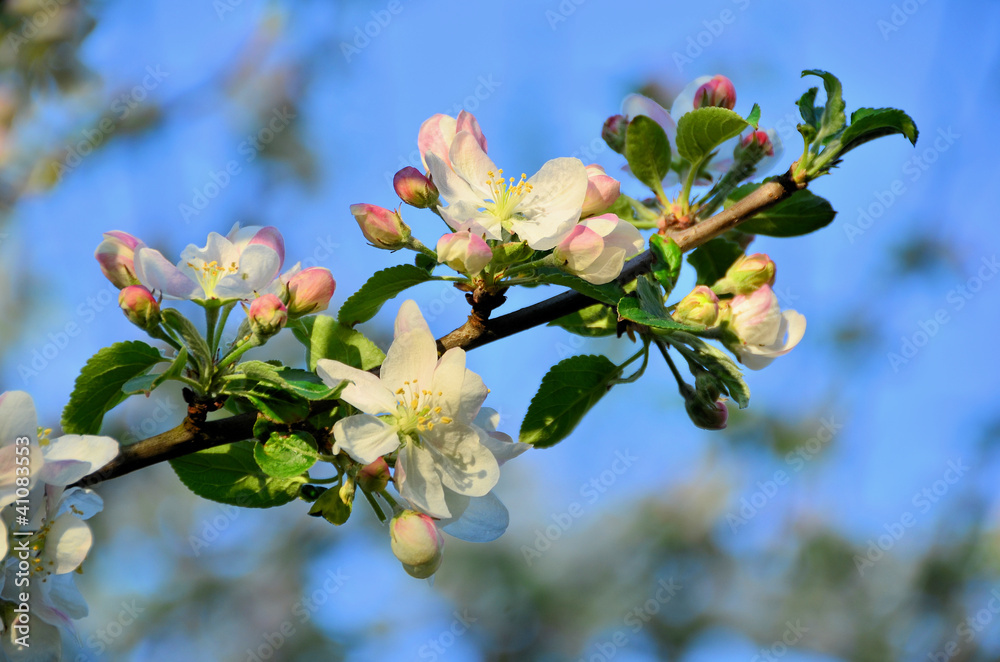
column 196, row 434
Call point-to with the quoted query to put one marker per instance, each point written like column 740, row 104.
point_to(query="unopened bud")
column 415, row 188
column 140, row 307
column 116, row 255
column 718, row 92
column 374, row 477
column 382, row 227
column 699, row 308
column 417, row 543
column 464, row 252
column 746, row 275
column 602, row 191
column 613, row 132
column 310, row 291
column 707, row 415
column 267, row 316
column 758, row 140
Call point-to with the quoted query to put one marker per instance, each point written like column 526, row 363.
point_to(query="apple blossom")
column 438, row 132
column 464, row 252
column 758, row 330
column 424, row 407
column 597, row 248
column 602, row 191
column 228, row 268
column 417, row 543
column 116, row 255
column 699, row 308
column 717, row 91
column 140, row 306
column 309, row 291
column 414, row 188
column 382, row 227
column 746, row 274
column 267, row 316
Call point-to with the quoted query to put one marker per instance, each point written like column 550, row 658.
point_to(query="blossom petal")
column 365, row 438
column 502, row 446
column 419, row 483
column 435, row 136
column 469, row 216
column 409, row 318
column 160, row 275
column 464, row 464
column 259, row 266
column 684, row 102
column 466, row 121
column 449, row 374
column 82, row 502
column 636, row 104
column 553, row 205
column 412, row 355
column 450, row 185
column 484, row 519
column 366, row 391
column 60, row 593
column 270, row 237
column 73, row 456
column 471, row 164
column 66, row 544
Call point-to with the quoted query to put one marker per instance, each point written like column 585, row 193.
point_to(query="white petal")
column 365, row 438
column 502, row 446
column 411, row 358
column 419, row 482
column 465, row 465
column 636, row 104
column 448, row 377
column 409, row 318
column 684, row 102
column 159, row 275
column 435, row 136
column 484, row 519
column 258, row 268
column 451, row 186
column 471, row 164
column 366, row 391
column 60, row 593
column 73, row 456
column 82, row 502
column 17, row 417
column 469, row 216
column 66, row 544
column 554, row 204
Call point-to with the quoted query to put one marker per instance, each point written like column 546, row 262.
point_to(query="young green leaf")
column 146, row 383
column 631, row 308
column 229, row 474
column 567, row 392
column 647, row 151
column 871, row 123
column 667, row 261
column 333, row 506
column 326, row 338
column 807, row 108
column 98, row 388
column 384, row 285
column 196, row 345
column 702, row 130
column 800, row 213
column 286, row 455
column 712, row 259
column 754, row 117
column 833, row 119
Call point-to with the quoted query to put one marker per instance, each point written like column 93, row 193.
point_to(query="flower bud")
column 718, row 92
column 707, row 415
column 310, row 291
column 699, row 308
column 746, row 275
column 140, row 307
column 602, row 191
column 613, row 132
column 383, row 228
column 374, row 477
column 597, row 247
column 267, row 316
column 415, row 188
column 417, row 543
column 116, row 255
column 760, row 140
column 464, row 252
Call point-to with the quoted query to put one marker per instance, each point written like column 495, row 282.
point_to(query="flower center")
column 210, row 273
column 506, row 193
column 417, row 411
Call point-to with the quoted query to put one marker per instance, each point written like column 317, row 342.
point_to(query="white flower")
column 539, row 210
column 423, row 406
column 228, row 268
column 596, row 249
column 762, row 331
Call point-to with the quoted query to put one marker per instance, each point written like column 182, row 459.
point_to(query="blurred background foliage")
column 769, row 540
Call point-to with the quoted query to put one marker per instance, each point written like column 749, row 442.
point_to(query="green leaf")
column 667, row 261
column 712, row 259
column 335, row 504
column 425, row 262
column 196, row 344
column 326, row 338
column 807, row 108
column 871, row 123
column 511, row 253
column 384, row 285
column 98, row 388
column 591, row 322
column 800, row 213
column 147, row 383
column 833, row 119
column 229, row 474
column 272, row 401
column 297, row 382
column 631, row 308
column 716, row 362
column 754, row 117
column 608, row 293
column 286, row 455
column 567, row 392
column 702, row 130
column 647, row 151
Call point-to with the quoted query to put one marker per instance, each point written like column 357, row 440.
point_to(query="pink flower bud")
column 415, row 188
column 718, row 92
column 602, row 191
column 707, row 416
column 417, row 543
column 375, row 476
column 746, row 275
column 382, row 227
column 760, row 140
column 267, row 315
column 699, row 308
column 310, row 291
column 613, row 132
column 140, row 306
column 116, row 255
column 464, row 252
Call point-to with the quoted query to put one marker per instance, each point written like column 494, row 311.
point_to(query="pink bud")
column 116, row 255
column 414, row 188
column 758, row 139
column 707, row 416
column 310, row 291
column 602, row 191
column 699, row 308
column 613, row 132
column 746, row 275
column 417, row 543
column 382, row 227
column 597, row 247
column 464, row 252
column 375, row 476
column 267, row 315
column 140, row 306
column 718, row 92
